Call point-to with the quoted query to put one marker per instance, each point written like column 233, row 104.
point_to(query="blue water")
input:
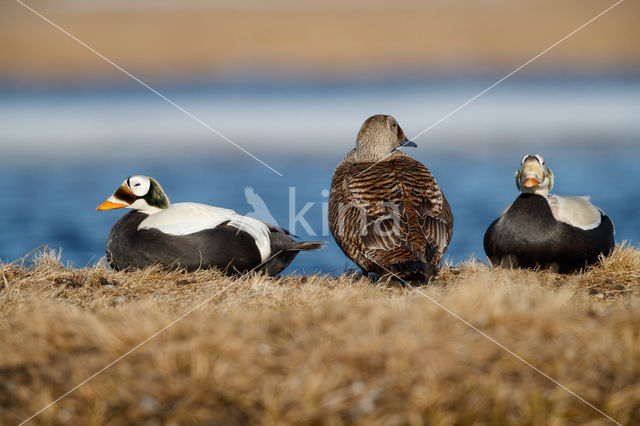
column 64, row 152
column 53, row 204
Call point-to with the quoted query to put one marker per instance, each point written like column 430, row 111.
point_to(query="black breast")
column 223, row 247
column 528, row 235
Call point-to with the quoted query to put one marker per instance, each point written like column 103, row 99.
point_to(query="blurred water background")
column 71, row 132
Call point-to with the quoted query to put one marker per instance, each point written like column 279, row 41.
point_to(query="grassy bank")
column 320, row 350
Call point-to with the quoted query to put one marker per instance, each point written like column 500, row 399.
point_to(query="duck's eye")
column 139, row 185
column 394, row 125
column 524, row 159
column 540, row 159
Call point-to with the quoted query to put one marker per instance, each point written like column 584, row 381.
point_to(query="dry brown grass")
column 318, row 349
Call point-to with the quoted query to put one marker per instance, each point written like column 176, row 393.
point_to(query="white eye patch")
column 139, row 185
column 540, row 159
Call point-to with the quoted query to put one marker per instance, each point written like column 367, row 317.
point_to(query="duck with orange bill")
column 191, row 235
column 561, row 233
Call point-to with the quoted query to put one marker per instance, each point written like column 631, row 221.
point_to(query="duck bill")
column 109, row 205
column 407, row 143
column 123, row 197
column 530, row 182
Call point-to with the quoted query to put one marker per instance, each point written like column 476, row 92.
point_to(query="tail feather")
column 309, row 245
column 413, row 271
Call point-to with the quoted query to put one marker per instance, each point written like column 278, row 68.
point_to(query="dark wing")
column 428, row 212
column 437, row 225
column 385, row 227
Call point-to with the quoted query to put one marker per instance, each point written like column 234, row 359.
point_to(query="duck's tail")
column 414, row 272
column 308, row 245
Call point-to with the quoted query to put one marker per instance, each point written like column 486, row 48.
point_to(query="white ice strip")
column 91, row 125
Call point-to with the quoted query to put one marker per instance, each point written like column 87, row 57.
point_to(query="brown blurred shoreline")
column 329, row 41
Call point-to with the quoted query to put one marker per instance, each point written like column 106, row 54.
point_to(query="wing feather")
column 188, row 218
column 394, row 206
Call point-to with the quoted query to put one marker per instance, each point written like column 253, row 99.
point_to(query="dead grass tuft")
column 319, row 349
column 616, row 274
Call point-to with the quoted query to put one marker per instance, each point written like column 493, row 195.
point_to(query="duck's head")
column 140, row 193
column 378, row 137
column 534, row 176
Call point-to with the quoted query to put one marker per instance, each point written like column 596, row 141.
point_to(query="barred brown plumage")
column 386, row 210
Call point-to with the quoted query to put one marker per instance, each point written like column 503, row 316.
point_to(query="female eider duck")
column 386, row 211
column 563, row 234
column 191, row 235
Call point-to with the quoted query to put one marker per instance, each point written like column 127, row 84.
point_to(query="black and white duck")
column 538, row 229
column 192, row 235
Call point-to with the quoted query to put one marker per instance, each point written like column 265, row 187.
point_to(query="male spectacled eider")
column 192, row 235
column 386, row 211
column 563, row 234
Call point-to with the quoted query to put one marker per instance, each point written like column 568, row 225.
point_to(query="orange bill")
column 108, row 205
column 530, row 182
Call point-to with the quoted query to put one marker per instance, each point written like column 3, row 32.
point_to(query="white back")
column 187, row 218
column 575, row 211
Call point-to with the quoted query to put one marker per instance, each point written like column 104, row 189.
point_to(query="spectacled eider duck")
column 191, row 235
column 386, row 211
column 563, row 234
